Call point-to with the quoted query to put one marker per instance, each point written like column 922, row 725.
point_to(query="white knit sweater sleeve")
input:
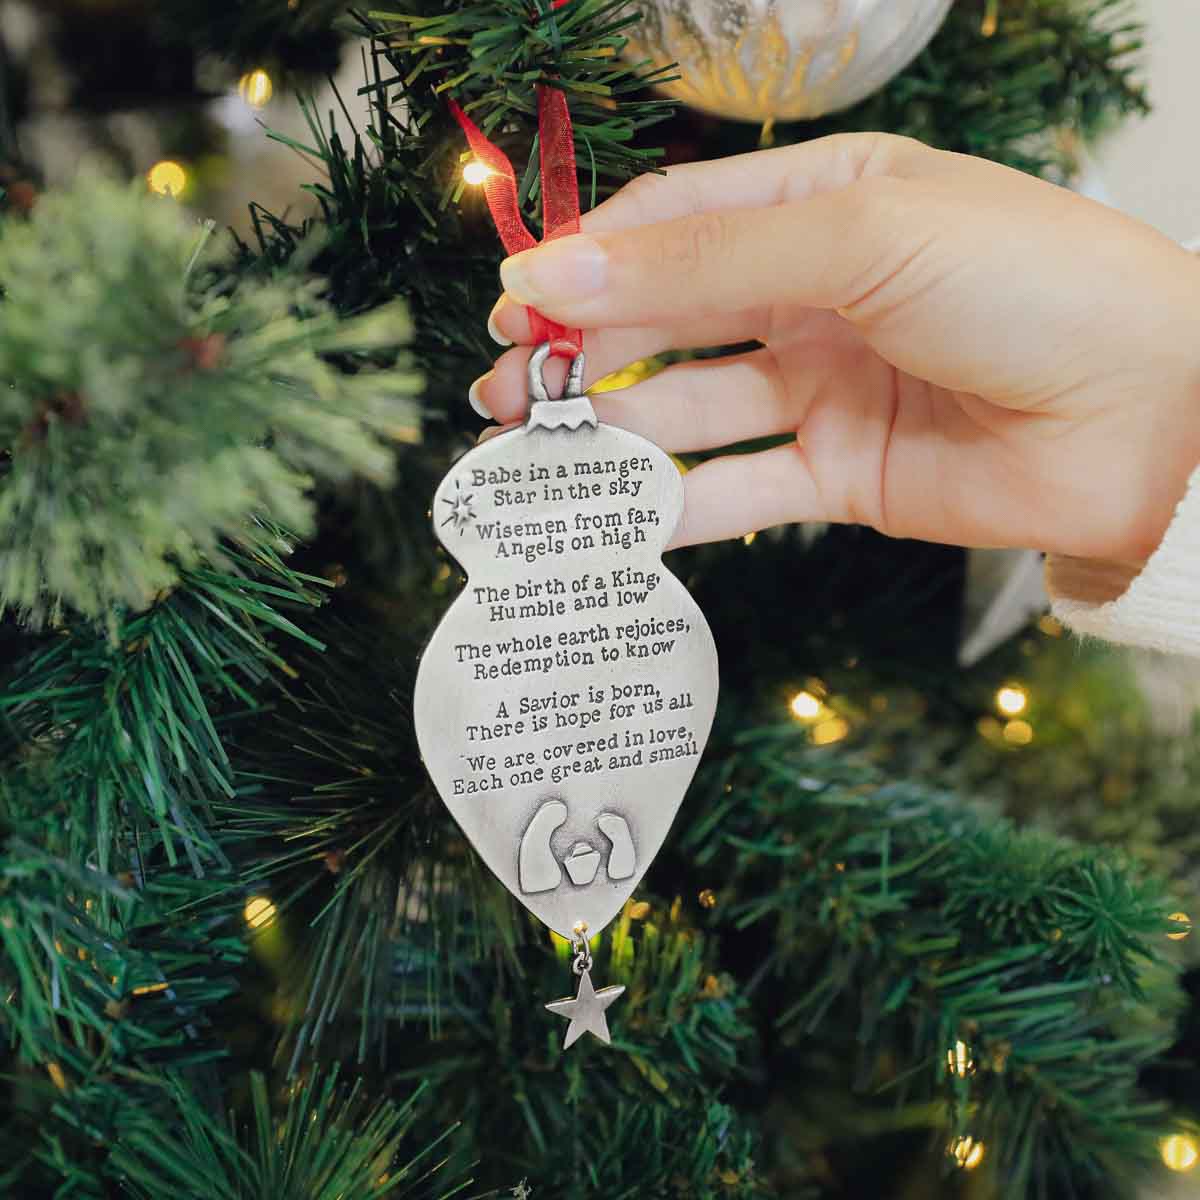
column 1155, row 604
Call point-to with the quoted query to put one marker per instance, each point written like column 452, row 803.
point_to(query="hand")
column 963, row 353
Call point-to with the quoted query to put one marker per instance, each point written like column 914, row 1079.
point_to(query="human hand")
column 964, row 353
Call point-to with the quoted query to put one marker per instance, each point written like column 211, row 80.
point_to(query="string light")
column 1180, row 1152
column 959, row 1060
column 1183, row 919
column 1018, row 733
column 256, row 88
column 1012, row 700
column 1050, row 626
column 708, row 898
column 749, row 539
column 991, row 19
column 259, row 911
column 476, row 172
column 828, row 732
column 989, row 728
column 805, row 706
column 167, row 178
column 635, row 372
column 967, row 1152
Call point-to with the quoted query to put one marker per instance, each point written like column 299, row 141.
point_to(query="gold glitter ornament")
column 781, row 60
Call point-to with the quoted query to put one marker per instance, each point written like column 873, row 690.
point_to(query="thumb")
column 826, row 251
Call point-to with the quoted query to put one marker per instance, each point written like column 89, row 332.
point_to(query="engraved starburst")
column 461, row 513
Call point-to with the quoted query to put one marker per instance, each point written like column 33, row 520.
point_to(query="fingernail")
column 494, row 329
column 473, row 396
column 573, row 266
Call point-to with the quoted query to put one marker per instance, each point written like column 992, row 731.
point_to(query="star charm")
column 586, row 1011
column 461, row 512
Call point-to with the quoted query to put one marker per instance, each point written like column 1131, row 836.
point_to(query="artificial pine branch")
column 647, row 1117
column 492, row 54
column 334, row 814
column 137, row 722
column 910, row 923
column 110, row 986
column 81, row 940
column 330, row 1143
column 1008, row 81
column 397, row 222
column 153, row 410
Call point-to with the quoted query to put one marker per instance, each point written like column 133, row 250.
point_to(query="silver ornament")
column 562, row 704
column 781, row 60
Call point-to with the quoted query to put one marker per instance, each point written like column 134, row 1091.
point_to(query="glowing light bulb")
column 1183, row 919
column 708, row 898
column 959, row 1060
column 805, row 706
column 1018, row 733
column 1180, row 1152
column 828, row 732
column 259, row 911
column 476, row 172
column 989, row 728
column 167, row 178
column 967, row 1152
column 256, row 88
column 1012, row 700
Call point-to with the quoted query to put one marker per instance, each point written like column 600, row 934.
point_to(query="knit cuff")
column 1155, row 605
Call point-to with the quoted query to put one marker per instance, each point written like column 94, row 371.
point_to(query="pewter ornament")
column 564, row 700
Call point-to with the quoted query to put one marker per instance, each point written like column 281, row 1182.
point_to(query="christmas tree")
column 919, row 929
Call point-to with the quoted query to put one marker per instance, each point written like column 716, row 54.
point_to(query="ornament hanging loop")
column 572, row 409
column 537, row 380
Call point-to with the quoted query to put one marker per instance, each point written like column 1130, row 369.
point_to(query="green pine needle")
column 330, row 1143
column 151, row 413
column 137, row 722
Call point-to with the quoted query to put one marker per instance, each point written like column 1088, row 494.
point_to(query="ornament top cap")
column 572, row 409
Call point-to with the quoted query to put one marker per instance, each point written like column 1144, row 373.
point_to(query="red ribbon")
column 560, row 195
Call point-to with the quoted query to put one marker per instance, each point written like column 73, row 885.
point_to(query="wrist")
column 1174, row 441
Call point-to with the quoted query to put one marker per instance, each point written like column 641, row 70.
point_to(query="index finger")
column 757, row 180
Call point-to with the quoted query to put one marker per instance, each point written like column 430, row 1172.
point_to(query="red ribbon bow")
column 560, row 195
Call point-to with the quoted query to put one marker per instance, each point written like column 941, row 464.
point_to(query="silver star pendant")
column 586, row 1011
